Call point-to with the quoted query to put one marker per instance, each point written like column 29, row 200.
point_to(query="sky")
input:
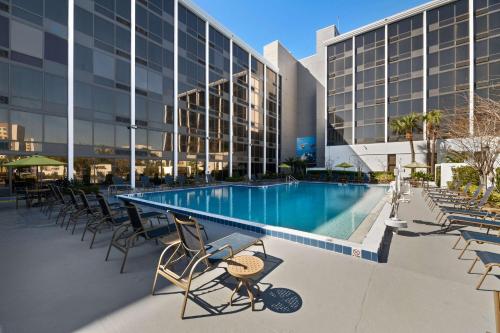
column 294, row 22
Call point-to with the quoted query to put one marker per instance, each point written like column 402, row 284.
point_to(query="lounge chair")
column 470, row 208
column 168, row 181
column 489, row 259
column 181, row 180
column 491, row 223
column 455, row 199
column 69, row 210
column 88, row 212
column 126, row 236
column 475, row 237
column 111, row 216
column 449, row 194
column 191, row 247
column 118, row 184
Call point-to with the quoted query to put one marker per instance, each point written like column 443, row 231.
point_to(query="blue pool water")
column 326, row 209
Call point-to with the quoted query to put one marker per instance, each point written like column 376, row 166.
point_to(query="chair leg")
column 183, row 309
column 154, row 282
column 124, row 260
column 456, row 243
column 488, row 269
column 472, row 266
column 109, row 250
column 84, row 231
column 465, row 248
column 263, row 248
column 92, row 241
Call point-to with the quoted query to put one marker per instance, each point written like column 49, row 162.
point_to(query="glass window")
column 4, row 78
column 155, row 82
column 122, row 104
column 55, row 129
column 83, row 21
column 26, row 40
column 57, row 10
column 122, row 71
column 109, row 4
column 141, row 16
column 122, row 39
column 26, row 85
column 83, row 95
column 141, row 47
column 83, row 132
column 30, row 122
column 104, row 65
column 83, row 58
column 123, row 9
column 104, row 135
column 141, row 139
column 56, row 49
column 122, row 137
column 34, row 6
column 154, row 24
column 56, row 89
column 103, row 100
column 141, row 77
column 155, row 140
column 4, row 31
column 104, row 30
column 155, row 53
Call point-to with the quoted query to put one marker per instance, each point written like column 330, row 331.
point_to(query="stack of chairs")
column 457, row 210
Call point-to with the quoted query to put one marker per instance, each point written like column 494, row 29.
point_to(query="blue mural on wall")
column 306, row 148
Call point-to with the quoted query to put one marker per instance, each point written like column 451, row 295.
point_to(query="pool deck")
column 52, row 282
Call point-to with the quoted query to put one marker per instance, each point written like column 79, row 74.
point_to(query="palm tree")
column 405, row 126
column 432, row 121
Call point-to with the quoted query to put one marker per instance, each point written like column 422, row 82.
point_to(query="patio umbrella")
column 284, row 166
column 416, row 165
column 35, row 160
column 344, row 165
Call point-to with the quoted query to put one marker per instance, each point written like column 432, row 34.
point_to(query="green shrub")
column 382, row 177
column 465, row 175
column 234, row 179
column 420, row 175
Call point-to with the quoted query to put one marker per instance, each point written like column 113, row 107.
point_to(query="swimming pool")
column 331, row 210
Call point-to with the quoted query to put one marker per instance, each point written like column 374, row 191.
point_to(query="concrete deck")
column 51, row 282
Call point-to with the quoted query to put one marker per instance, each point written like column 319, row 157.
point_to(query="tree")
column 432, row 121
column 477, row 136
column 405, row 126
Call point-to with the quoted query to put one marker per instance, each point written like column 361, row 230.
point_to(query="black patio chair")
column 126, row 236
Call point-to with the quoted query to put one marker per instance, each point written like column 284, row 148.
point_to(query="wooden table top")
column 38, row 190
column 245, row 266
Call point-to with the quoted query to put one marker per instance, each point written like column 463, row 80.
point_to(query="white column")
column 424, row 69
column 277, row 120
column 353, row 89
column 249, row 174
column 71, row 82
column 265, row 120
column 386, row 79
column 207, row 107
column 325, row 115
column 132, row 93
column 176, row 87
column 471, row 66
column 231, row 108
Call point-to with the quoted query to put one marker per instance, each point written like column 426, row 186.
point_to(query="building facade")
column 181, row 95
column 435, row 56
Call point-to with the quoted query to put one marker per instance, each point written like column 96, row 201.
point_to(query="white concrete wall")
column 373, row 157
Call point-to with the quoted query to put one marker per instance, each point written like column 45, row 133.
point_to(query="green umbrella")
column 344, row 165
column 416, row 165
column 35, row 160
column 284, row 166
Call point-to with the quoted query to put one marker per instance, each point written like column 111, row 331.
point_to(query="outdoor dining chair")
column 191, row 250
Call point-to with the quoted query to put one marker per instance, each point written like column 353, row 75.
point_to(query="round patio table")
column 244, row 268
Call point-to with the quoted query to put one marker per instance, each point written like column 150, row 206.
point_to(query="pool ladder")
column 291, row 179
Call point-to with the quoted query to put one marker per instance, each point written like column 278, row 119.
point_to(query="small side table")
column 244, row 268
